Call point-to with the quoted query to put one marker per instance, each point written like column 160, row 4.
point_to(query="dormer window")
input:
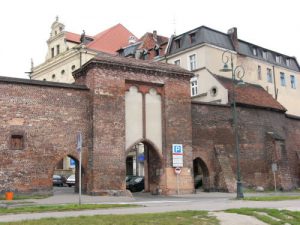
column 288, row 62
column 192, row 38
column 156, row 50
column 254, row 51
column 278, row 58
column 265, row 54
column 177, row 43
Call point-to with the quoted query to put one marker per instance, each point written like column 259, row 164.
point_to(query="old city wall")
column 266, row 137
column 39, row 123
column 109, row 83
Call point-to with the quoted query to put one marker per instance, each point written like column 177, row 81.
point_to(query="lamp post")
column 236, row 72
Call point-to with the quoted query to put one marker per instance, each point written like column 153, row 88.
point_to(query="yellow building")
column 67, row 51
column 200, row 50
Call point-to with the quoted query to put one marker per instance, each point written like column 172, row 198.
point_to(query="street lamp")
column 237, row 72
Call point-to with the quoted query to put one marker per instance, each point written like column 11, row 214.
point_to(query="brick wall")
column 108, row 84
column 48, row 117
column 212, row 126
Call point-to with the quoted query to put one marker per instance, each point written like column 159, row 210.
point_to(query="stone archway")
column 143, row 160
column 201, row 174
column 68, row 165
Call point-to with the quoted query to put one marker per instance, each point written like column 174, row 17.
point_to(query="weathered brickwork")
column 48, row 118
column 261, row 133
column 108, row 83
column 39, row 122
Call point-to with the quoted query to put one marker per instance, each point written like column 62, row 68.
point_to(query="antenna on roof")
column 174, row 24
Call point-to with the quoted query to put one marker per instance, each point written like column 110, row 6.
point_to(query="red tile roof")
column 135, row 63
column 111, row 40
column 72, row 37
column 251, row 94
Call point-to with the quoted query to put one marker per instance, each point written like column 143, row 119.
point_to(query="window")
column 73, row 67
column 192, row 38
column 156, row 50
column 288, row 62
column 194, row 86
column 192, row 62
column 269, row 75
column 293, row 82
column 53, row 76
column 259, row 72
column 177, row 43
column 265, row 54
column 17, row 142
column 213, row 91
column 44, row 79
column 177, row 62
column 52, row 52
column 62, row 72
column 254, row 51
column 282, row 79
column 57, row 49
column 278, row 58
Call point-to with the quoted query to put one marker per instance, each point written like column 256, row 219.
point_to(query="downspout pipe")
column 275, row 87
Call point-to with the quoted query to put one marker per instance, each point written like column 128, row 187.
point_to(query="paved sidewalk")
column 152, row 204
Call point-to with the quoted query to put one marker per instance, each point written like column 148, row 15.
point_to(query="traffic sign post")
column 177, row 153
column 274, row 170
column 177, row 170
column 79, row 147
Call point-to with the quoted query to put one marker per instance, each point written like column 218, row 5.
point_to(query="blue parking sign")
column 177, row 149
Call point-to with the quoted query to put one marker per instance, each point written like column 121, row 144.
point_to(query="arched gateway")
column 117, row 104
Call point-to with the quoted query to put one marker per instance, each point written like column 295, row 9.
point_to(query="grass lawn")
column 271, row 198
column 65, row 207
column 271, row 216
column 172, row 218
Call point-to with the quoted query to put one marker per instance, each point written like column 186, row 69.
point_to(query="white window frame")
column 293, row 81
column 192, row 64
column 259, row 72
column 282, row 79
column 265, row 54
column 269, row 76
column 194, row 86
column 177, row 62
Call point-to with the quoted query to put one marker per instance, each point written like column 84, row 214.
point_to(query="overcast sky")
column 25, row 25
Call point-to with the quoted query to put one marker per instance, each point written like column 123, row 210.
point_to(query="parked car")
column 71, row 180
column 58, row 180
column 128, row 179
column 136, row 184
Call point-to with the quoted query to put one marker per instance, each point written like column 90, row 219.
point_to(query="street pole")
column 80, row 158
column 235, row 70
column 239, row 190
column 79, row 148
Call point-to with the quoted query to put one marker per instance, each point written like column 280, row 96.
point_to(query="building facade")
column 68, row 51
column 203, row 47
column 150, row 46
column 118, row 104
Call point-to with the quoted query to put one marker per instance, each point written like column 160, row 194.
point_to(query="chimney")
column 234, row 38
column 155, row 36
